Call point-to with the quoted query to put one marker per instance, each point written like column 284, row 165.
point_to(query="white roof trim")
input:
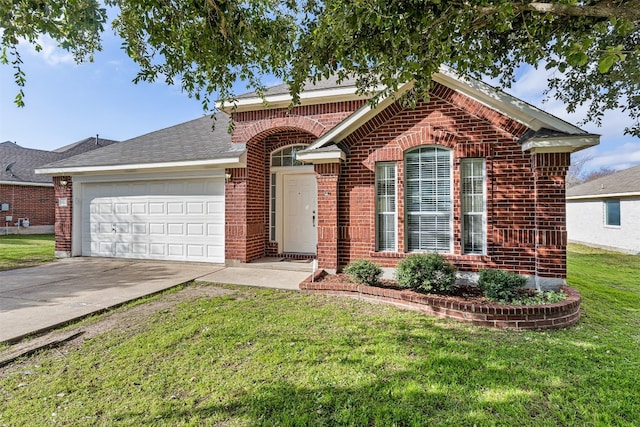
column 510, row 106
column 239, row 161
column 358, row 118
column 310, row 97
column 27, row 184
column 560, row 144
column 322, row 156
column 604, row 196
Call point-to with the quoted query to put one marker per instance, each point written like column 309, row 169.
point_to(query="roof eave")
column 27, row 184
column 238, row 161
column 560, row 144
column 318, row 157
column 604, row 196
column 510, row 106
column 311, row 97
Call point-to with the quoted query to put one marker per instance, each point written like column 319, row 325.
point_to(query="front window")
column 386, row 207
column 287, row 156
column 428, row 199
column 612, row 213
column 473, row 205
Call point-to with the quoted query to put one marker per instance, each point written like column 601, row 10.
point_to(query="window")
column 612, row 212
column 473, row 205
column 386, row 207
column 272, row 211
column 428, row 199
column 287, row 156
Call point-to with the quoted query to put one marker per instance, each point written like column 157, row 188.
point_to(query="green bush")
column 364, row 272
column 539, row 298
column 426, row 273
column 501, row 285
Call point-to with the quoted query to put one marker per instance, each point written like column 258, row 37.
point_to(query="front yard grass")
column 277, row 358
column 25, row 250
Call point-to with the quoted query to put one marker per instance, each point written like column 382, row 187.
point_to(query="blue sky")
column 66, row 102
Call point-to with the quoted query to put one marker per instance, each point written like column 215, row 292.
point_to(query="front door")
column 300, row 213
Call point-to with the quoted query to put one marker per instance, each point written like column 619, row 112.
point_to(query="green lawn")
column 25, row 250
column 265, row 357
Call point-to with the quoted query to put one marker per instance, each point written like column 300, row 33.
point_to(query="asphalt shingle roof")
column 190, row 141
column 624, row 181
column 24, row 161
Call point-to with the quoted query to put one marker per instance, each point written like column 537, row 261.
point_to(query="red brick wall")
column 35, row 203
column 469, row 130
column 63, row 214
column 247, row 195
column 524, row 234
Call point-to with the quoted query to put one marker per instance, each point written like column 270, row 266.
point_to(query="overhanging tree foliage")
column 590, row 48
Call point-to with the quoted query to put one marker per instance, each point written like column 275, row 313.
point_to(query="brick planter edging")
column 550, row 316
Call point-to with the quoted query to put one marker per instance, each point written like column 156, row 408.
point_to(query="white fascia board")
column 322, row 157
column 604, row 196
column 235, row 162
column 359, row 117
column 27, row 184
column 561, row 144
column 510, row 106
column 283, row 100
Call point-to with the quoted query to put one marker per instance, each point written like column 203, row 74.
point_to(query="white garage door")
column 180, row 220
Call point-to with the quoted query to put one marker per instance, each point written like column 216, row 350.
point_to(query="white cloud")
column 51, row 54
column 616, row 150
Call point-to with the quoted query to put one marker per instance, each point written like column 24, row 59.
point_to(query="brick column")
column 550, row 171
column 235, row 215
column 63, row 189
column 327, row 175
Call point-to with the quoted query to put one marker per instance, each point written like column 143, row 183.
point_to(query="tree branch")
column 628, row 10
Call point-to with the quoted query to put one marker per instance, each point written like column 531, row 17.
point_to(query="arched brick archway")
column 263, row 128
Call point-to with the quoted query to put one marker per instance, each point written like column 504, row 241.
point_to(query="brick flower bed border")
column 550, row 316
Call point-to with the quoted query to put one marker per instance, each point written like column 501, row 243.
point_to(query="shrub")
column 364, row 272
column 426, row 273
column 500, row 285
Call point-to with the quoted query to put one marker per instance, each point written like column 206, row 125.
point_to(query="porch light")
column 63, row 183
column 227, row 177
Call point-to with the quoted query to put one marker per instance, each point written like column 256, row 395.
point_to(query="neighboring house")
column 473, row 174
column 27, row 199
column 605, row 212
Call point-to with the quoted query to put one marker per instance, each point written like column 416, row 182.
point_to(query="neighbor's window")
column 386, row 215
column 612, row 212
column 473, row 205
column 428, row 199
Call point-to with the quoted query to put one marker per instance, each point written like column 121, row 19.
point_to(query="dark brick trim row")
column 552, row 316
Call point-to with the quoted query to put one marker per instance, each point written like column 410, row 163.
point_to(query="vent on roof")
column 9, row 169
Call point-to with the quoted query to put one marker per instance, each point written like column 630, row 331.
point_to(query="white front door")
column 300, row 213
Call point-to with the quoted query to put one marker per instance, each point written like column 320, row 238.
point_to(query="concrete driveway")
column 40, row 298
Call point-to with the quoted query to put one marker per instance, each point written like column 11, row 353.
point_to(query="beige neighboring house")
column 605, row 212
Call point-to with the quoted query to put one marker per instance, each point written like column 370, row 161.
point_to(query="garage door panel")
column 181, row 220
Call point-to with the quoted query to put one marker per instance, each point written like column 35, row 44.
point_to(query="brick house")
column 26, row 197
column 473, row 174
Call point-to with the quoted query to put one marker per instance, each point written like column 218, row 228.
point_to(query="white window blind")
column 386, row 207
column 473, row 205
column 428, row 199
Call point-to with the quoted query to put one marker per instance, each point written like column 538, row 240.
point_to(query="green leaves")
column 609, row 58
column 206, row 46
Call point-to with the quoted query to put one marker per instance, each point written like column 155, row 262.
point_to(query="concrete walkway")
column 39, row 298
